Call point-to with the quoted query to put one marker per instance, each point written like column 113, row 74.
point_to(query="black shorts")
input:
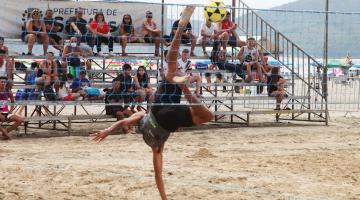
column 7, row 116
column 112, row 110
column 185, row 40
column 148, row 39
column 173, row 117
column 55, row 37
column 232, row 41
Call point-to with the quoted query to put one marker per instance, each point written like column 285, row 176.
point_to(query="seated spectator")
column 101, row 33
column 45, row 81
column 82, row 85
column 65, row 93
column 30, row 79
column 71, row 58
column 275, row 86
column 184, row 65
column 127, row 33
column 226, row 32
column 142, row 85
column 36, row 31
column 6, row 66
column 206, row 36
column 249, row 57
column 52, row 28
column 53, row 70
column 3, row 48
column 150, row 32
column 116, row 96
column 5, row 113
column 127, row 88
column 187, row 36
column 76, row 26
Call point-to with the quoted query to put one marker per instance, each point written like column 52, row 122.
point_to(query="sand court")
column 280, row 161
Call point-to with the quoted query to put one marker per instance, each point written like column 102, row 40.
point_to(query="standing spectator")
column 206, row 36
column 275, row 85
column 52, row 28
column 226, row 31
column 5, row 113
column 127, row 33
column 184, row 65
column 150, row 32
column 186, row 37
column 76, row 26
column 101, row 32
column 116, row 96
column 36, row 31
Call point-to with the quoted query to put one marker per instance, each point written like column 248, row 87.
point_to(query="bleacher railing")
column 305, row 72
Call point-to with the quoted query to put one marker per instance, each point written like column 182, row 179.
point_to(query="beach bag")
column 92, row 92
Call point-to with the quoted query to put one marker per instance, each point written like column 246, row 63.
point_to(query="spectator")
column 206, row 36
column 52, row 28
column 187, row 36
column 150, row 32
column 127, row 33
column 54, row 70
column 71, row 58
column 5, row 113
column 82, row 85
column 6, row 66
column 101, row 32
column 163, row 69
column 223, row 64
column 275, row 86
column 116, row 96
column 127, row 87
column 30, row 79
column 249, row 57
column 3, row 48
column 226, row 32
column 142, row 85
column 65, row 93
column 76, row 26
column 184, row 65
column 45, row 80
column 36, row 31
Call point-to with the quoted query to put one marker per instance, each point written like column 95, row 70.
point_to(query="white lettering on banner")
column 16, row 10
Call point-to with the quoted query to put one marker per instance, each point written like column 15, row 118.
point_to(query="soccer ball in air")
column 215, row 11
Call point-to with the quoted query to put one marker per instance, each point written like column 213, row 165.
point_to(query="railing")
column 305, row 72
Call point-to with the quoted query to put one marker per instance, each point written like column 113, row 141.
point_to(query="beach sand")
column 268, row 161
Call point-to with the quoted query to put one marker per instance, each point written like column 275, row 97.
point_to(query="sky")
column 259, row 4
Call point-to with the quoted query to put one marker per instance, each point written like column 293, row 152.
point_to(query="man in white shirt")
column 206, row 36
column 184, row 65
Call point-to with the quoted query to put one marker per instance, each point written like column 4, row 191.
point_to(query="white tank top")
column 250, row 52
column 3, row 72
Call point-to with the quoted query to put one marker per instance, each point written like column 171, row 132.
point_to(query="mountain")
column 302, row 23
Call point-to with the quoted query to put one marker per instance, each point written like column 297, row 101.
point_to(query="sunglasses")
column 35, row 13
column 149, row 16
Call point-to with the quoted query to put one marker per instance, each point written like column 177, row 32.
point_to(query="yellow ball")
column 215, row 11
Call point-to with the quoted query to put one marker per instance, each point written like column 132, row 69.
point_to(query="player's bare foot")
column 182, row 79
column 186, row 15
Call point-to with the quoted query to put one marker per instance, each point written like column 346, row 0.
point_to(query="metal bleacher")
column 230, row 105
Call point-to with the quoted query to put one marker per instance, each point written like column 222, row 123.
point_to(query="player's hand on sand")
column 101, row 135
column 186, row 15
